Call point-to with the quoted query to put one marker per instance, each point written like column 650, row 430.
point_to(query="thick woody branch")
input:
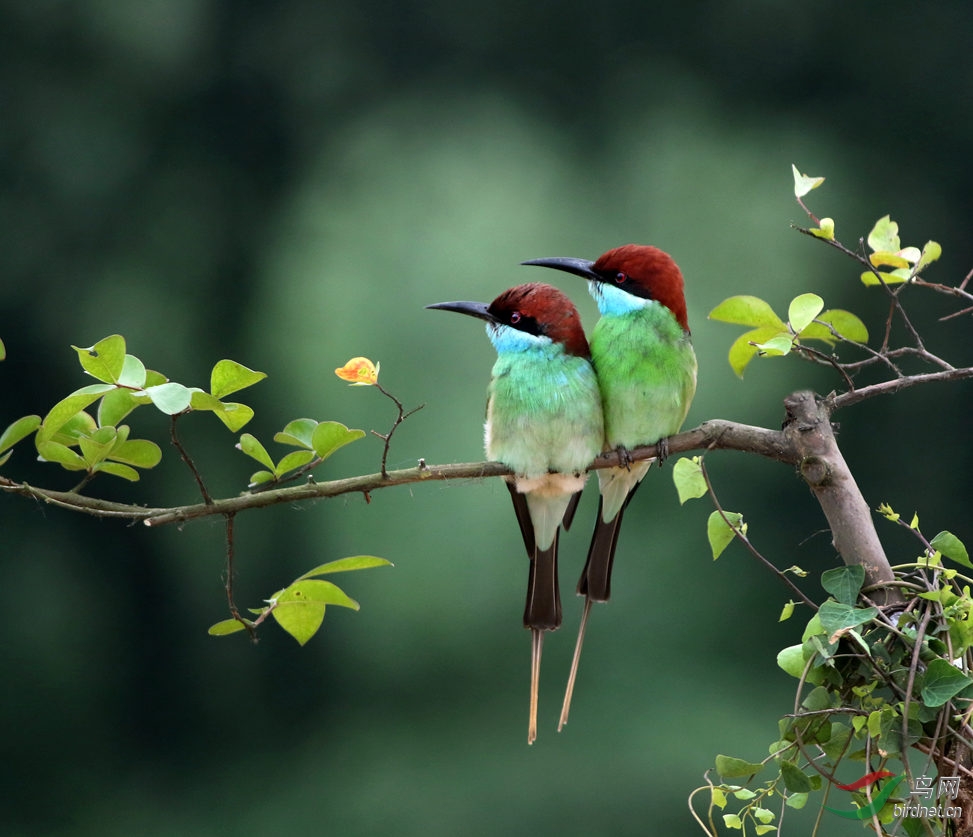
column 808, row 429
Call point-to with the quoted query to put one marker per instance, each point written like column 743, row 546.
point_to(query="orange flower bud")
column 360, row 371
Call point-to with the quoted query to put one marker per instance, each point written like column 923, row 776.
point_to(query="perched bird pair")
column 555, row 404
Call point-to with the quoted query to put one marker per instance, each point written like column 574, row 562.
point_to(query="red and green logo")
column 878, row 801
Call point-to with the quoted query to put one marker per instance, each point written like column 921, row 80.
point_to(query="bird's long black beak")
column 579, row 267
column 480, row 310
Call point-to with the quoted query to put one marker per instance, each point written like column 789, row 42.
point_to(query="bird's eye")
column 620, row 278
column 515, row 317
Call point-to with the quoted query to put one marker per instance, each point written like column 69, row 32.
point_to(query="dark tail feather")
column 523, row 517
column 596, row 577
column 595, row 582
column 541, row 613
column 570, row 510
column 543, row 609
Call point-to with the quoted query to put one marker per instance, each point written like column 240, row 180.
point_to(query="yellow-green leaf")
column 802, row 310
column 744, row 348
column 105, row 359
column 227, row 626
column 721, row 532
column 747, row 310
column 687, row 475
column 228, row 376
column 931, row 252
column 804, row 183
column 355, row 562
column 885, row 236
column 825, row 231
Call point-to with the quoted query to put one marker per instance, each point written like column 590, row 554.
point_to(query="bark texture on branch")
column 821, row 465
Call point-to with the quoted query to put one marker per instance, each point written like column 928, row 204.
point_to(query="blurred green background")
column 287, row 184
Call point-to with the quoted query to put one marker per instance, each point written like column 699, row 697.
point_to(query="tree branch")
column 824, row 469
column 846, row 399
column 806, row 442
column 716, row 434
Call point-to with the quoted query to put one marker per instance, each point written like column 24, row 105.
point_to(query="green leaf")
column 234, row 416
column 300, row 607
column 50, row 451
column 3, row 351
column 117, row 469
column 945, row 542
column 825, row 231
column 802, row 310
column 885, row 236
column 228, row 376
column 895, row 277
column 252, row 447
column 687, row 475
column 779, row 344
column 133, row 373
column 796, row 801
column 804, row 183
column 201, row 400
column 733, row 768
column 105, row 359
column 720, row 534
column 844, row 582
column 80, row 424
column 18, row 431
column 732, row 821
column 764, row 815
column 838, row 742
column 260, row 477
column 298, row 433
column 845, row 324
column 328, row 436
column 67, row 408
column 170, row 398
column 795, row 779
column 744, row 348
column 897, row 260
column 138, row 452
column 837, row 618
column 96, row 447
column 355, row 562
column 301, row 619
column 295, row 459
column 943, row 682
column 114, row 406
column 749, row 311
column 931, row 252
column 793, row 661
column 227, row 626
column 787, row 611
column 314, row 590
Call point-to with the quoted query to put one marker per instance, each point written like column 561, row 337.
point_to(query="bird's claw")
column 662, row 450
column 624, row 457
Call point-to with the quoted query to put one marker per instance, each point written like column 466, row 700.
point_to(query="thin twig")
column 177, row 444
column 401, row 417
column 750, row 547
